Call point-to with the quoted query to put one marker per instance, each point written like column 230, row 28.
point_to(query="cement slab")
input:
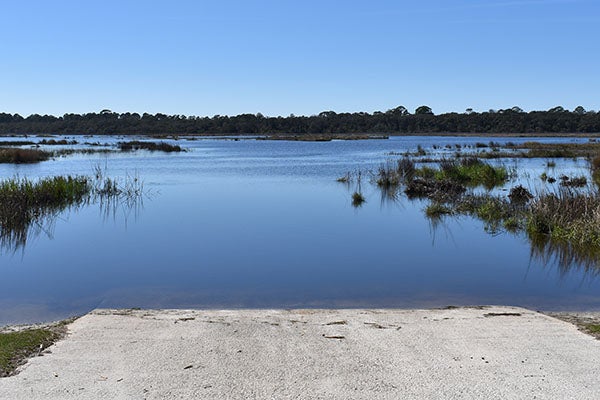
column 461, row 353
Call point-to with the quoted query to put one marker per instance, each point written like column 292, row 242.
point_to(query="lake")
column 264, row 224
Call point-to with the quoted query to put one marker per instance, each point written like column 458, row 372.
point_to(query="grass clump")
column 358, row 199
column 437, row 210
column 576, row 182
column 390, row 175
column 18, row 346
column 22, row 156
column 472, row 172
column 519, row 195
column 150, row 146
column 345, row 178
column 567, row 217
column 54, row 142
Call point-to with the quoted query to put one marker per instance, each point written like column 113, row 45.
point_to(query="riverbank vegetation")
column 398, row 120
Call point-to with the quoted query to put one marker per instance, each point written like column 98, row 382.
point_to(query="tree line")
column 394, row 121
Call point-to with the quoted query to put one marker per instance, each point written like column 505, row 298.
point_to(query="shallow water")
column 264, row 224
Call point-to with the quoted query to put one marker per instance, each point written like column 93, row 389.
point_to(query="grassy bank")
column 17, row 345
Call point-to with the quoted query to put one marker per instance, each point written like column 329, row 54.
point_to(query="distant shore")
column 313, row 136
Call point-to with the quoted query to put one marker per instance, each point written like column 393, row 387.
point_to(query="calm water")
column 264, row 224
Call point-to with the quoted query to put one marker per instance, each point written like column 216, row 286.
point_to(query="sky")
column 280, row 57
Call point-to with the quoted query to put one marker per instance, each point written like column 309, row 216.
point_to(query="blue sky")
column 279, row 57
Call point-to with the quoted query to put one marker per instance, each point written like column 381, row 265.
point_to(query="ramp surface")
column 462, row 353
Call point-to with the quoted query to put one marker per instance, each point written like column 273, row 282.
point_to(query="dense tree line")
column 395, row 121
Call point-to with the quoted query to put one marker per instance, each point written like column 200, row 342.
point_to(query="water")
column 264, row 224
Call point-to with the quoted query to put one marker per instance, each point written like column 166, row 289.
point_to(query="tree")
column 579, row 110
column 424, row 110
column 400, row 110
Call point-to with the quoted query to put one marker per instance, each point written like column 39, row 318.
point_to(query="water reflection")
column 564, row 256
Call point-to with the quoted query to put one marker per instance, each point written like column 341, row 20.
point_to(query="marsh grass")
column 16, row 143
column 436, row 210
column 347, row 178
column 562, row 222
column 150, row 146
column 471, row 171
column 358, row 199
column 22, row 156
column 595, row 169
column 30, row 207
column 54, row 142
column 564, row 225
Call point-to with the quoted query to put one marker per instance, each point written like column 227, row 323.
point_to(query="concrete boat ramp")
column 457, row 353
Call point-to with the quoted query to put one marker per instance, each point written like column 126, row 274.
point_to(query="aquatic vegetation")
column 567, row 216
column 576, row 182
column 472, row 172
column 595, row 168
column 358, row 199
column 435, row 210
column 345, row 178
column 54, row 142
column 469, row 171
column 16, row 143
column 519, row 195
column 438, row 190
column 565, row 222
column 150, row 146
column 22, row 156
column 28, row 206
column 568, row 221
